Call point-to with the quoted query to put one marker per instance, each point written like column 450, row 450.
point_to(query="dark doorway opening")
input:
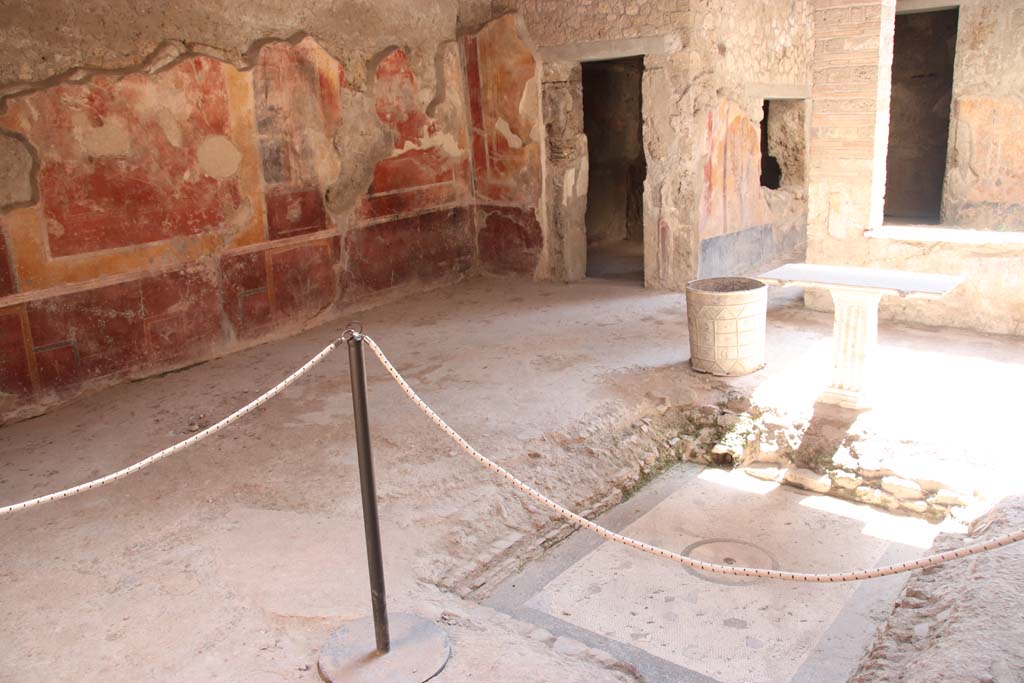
column 613, row 122
column 771, row 172
column 924, row 47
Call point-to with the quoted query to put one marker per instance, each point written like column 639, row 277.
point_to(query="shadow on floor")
column 621, row 260
column 827, row 430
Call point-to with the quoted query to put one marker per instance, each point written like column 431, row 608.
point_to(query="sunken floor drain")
column 730, row 552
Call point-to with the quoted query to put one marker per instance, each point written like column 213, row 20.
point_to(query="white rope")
column 170, row 450
column 930, row 561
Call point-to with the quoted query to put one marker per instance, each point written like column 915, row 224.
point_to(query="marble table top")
column 880, row 280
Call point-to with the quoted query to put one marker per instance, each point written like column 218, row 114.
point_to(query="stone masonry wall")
column 849, row 119
column 716, row 51
column 750, row 42
column 741, row 53
column 984, row 184
column 566, row 172
column 551, row 22
column 849, row 133
column 669, row 246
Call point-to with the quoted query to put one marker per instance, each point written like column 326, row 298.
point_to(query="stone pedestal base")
column 855, row 334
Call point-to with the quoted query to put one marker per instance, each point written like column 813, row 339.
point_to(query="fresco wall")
column 505, row 116
column 743, row 227
column 185, row 211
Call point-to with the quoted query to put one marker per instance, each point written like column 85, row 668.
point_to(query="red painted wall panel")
column 246, row 296
column 295, row 212
column 395, row 87
column 510, row 239
column 304, row 277
column 122, row 327
column 182, row 315
column 297, row 93
column 422, row 247
column 8, row 284
column 15, row 376
column 87, row 334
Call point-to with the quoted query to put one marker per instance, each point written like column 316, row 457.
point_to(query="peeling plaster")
column 529, row 106
column 443, row 141
column 170, row 127
column 218, row 157
column 440, row 81
column 111, row 139
column 37, row 44
column 514, row 141
column 567, row 186
column 19, row 171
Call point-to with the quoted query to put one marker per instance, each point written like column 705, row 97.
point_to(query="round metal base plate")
column 419, row 650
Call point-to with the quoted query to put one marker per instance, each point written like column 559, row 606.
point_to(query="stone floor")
column 235, row 559
column 684, row 625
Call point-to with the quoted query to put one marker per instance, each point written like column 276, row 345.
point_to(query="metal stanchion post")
column 368, row 487
column 405, row 648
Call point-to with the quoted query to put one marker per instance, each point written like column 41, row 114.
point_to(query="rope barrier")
column 839, row 577
column 578, row 520
column 170, row 450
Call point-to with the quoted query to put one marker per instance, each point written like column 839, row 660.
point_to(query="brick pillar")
column 849, row 127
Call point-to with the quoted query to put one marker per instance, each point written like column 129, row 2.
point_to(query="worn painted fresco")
column 985, row 178
column 505, row 113
column 510, row 238
column 7, row 283
column 182, row 213
column 136, row 174
column 731, row 197
column 190, row 210
column 129, row 152
column 422, row 247
column 429, row 165
column 298, row 106
column 505, row 119
column 414, row 225
column 139, row 179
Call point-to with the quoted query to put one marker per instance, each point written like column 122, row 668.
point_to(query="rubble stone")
column 808, row 479
column 903, row 489
column 947, row 497
column 917, row 506
column 766, row 471
column 846, row 480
